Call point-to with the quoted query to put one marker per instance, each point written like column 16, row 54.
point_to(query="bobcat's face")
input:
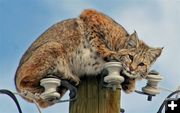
column 137, row 57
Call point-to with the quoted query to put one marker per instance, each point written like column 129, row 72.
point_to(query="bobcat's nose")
column 132, row 68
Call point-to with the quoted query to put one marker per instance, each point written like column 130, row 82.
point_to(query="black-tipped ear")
column 133, row 40
column 155, row 53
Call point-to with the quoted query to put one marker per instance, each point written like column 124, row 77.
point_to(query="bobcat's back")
column 68, row 33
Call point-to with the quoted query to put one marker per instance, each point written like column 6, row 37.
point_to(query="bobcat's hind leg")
column 47, row 59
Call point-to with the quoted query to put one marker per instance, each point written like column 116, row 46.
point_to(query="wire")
column 31, row 96
column 170, row 95
column 9, row 93
column 166, row 89
column 178, row 93
column 24, row 93
column 39, row 109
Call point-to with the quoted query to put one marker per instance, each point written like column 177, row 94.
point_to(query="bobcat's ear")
column 133, row 41
column 155, row 53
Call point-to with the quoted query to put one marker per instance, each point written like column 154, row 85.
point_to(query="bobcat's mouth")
column 129, row 74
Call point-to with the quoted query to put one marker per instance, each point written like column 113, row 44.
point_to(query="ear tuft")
column 133, row 41
column 159, row 51
column 155, row 53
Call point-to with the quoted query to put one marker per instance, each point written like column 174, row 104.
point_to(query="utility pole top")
column 93, row 98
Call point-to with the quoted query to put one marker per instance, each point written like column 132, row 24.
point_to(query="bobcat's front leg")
column 101, row 47
column 129, row 85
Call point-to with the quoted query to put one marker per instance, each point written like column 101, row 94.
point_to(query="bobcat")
column 80, row 47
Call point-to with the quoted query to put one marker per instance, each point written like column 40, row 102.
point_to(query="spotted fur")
column 79, row 47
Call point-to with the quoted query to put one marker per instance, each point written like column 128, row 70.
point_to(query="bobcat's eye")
column 141, row 64
column 131, row 57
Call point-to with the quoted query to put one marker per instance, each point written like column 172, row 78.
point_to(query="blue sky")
column 157, row 22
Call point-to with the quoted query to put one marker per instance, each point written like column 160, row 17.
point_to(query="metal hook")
column 72, row 89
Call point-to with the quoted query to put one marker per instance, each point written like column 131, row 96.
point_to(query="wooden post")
column 92, row 98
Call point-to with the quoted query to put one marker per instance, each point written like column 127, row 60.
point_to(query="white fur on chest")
column 87, row 63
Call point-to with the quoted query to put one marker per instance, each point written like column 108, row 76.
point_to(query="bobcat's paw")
column 73, row 80
column 128, row 88
column 109, row 56
column 128, row 85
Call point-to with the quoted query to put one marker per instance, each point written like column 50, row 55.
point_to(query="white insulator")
column 50, row 85
column 114, row 79
column 152, row 84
